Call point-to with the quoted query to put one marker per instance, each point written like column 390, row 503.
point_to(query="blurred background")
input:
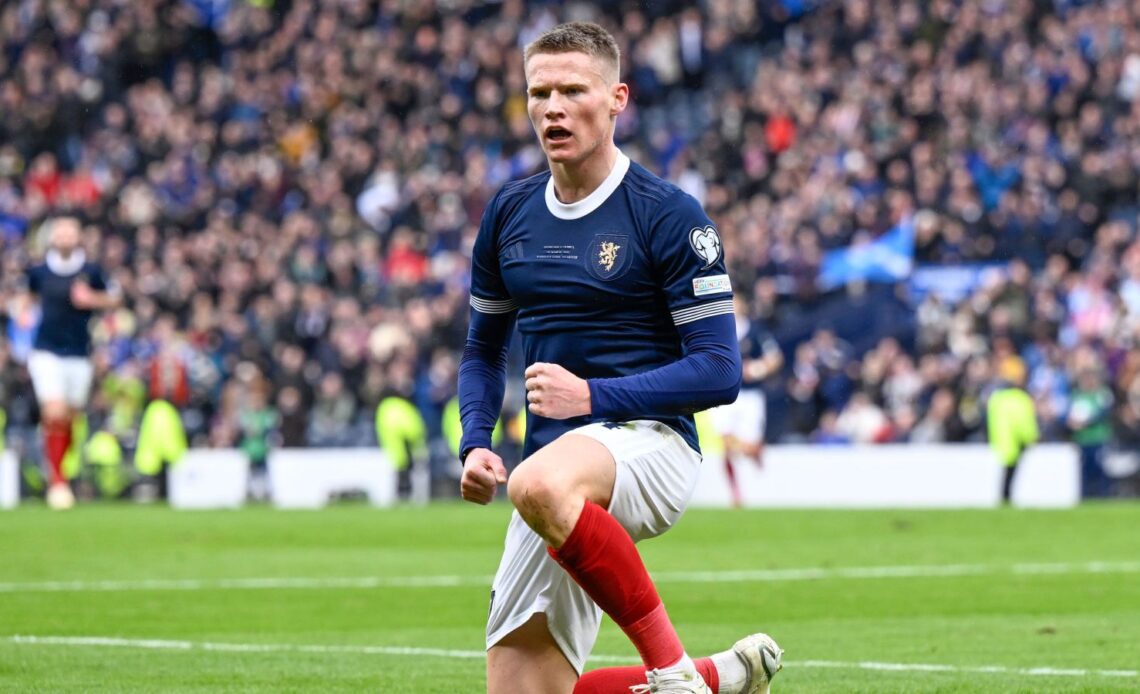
column 919, row 201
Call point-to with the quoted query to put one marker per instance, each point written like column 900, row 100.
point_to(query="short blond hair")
column 578, row 37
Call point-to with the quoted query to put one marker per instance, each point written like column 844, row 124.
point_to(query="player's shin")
column 733, row 485
column 57, row 439
column 600, row 555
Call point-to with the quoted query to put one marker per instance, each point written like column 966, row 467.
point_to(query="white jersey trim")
column 493, row 305
column 65, row 268
column 577, row 210
column 694, row 313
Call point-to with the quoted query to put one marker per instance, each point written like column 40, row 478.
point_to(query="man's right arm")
column 483, row 368
column 483, row 376
column 482, row 379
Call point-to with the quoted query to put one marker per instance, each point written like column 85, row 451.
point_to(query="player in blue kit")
column 70, row 289
column 741, row 424
column 616, row 281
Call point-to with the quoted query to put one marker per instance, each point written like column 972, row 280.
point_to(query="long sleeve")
column 483, row 377
column 707, row 375
column 483, row 367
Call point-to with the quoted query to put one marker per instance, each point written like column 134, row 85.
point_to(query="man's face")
column 573, row 99
column 65, row 235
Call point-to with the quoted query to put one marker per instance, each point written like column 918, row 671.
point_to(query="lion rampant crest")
column 607, row 255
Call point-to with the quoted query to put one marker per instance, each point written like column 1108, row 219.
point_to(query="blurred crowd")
column 287, row 192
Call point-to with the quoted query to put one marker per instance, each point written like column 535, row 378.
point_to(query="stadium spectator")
column 1089, row 417
column 938, row 425
column 318, row 153
column 1011, row 421
column 862, row 421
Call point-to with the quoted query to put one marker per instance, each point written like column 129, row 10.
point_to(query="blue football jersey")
column 600, row 284
column 755, row 342
column 63, row 328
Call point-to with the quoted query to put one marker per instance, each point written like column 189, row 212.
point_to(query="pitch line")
column 268, row 583
column 211, row 646
column 662, row 577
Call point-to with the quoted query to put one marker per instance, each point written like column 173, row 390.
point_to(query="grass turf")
column 1067, row 618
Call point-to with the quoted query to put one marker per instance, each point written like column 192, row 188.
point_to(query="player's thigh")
column 529, row 660
column 572, row 467
column 656, row 473
column 749, row 416
column 743, row 419
column 77, row 375
column 529, row 582
column 48, row 380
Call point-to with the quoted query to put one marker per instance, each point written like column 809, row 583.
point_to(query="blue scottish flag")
column 889, row 258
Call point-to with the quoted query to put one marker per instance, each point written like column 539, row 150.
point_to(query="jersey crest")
column 608, row 256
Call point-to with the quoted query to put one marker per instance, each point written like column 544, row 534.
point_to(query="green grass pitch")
column 145, row 599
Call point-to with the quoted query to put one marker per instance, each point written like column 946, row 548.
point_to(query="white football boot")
column 672, row 682
column 762, row 659
column 59, row 496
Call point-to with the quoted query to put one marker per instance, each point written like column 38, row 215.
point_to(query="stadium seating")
column 288, row 191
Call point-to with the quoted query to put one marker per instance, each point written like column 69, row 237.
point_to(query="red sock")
column 57, row 439
column 733, row 485
column 618, row 680
column 602, row 558
column 708, row 672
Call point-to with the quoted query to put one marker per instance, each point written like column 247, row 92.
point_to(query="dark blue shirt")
column 606, row 288
column 756, row 342
column 63, row 327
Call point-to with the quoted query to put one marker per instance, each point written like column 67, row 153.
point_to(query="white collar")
column 583, row 207
column 72, row 265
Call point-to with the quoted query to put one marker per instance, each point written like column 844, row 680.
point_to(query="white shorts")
column 743, row 419
column 656, row 476
column 56, row 377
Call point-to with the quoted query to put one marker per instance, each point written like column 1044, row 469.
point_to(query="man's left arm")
column 708, row 375
column 97, row 294
column 770, row 361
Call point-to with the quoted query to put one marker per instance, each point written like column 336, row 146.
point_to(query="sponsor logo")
column 715, row 284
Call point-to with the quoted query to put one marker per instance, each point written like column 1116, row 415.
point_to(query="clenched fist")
column 82, row 295
column 555, row 393
column 483, row 472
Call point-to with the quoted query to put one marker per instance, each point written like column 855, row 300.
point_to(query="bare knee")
column 528, row 490
column 55, row 410
column 539, row 495
column 551, row 487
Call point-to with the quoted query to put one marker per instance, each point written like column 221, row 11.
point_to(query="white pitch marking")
column 969, row 669
column 159, row 644
column 741, row 576
column 268, row 583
